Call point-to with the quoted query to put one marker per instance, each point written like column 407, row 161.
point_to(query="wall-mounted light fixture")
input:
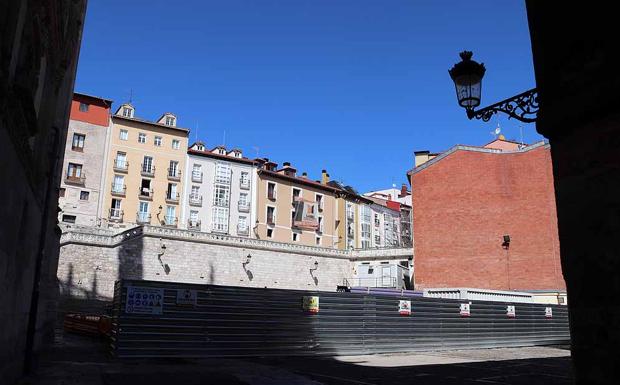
column 316, row 266
column 247, row 260
column 506, row 243
column 467, row 77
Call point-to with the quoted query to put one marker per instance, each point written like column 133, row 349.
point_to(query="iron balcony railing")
column 148, row 170
column 143, row 217
column 243, row 230
column 170, row 221
column 174, row 174
column 172, row 197
column 119, row 189
column 76, row 179
column 145, row 193
column 77, row 148
column 193, row 225
column 243, row 207
column 120, row 165
column 115, row 215
column 197, row 176
column 389, row 282
column 195, row 199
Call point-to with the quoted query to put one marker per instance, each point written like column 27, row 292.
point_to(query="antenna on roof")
column 130, row 95
column 224, row 139
column 196, row 133
column 256, row 149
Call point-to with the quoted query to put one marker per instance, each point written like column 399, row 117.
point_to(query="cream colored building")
column 295, row 209
column 144, row 181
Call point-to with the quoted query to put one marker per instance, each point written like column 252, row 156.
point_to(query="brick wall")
column 463, row 205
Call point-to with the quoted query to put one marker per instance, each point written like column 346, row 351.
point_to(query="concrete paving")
column 83, row 360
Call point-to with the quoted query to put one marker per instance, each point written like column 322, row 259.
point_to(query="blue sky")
column 352, row 86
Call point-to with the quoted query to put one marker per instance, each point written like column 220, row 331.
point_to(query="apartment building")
column 144, row 181
column 385, row 229
column 221, row 185
column 81, row 184
column 354, row 217
column 295, row 209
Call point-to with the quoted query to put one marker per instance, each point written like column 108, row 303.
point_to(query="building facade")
column 295, row 209
column 144, row 182
column 485, row 217
column 87, row 136
column 221, row 186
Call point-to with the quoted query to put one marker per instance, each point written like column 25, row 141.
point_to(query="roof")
column 209, row 154
column 186, row 130
column 110, row 101
column 300, row 180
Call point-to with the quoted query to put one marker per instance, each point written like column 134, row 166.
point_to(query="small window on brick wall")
column 84, row 195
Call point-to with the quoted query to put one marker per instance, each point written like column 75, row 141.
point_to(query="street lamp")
column 467, row 77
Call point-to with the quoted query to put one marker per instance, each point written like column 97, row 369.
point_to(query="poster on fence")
column 310, row 304
column 404, row 307
column 144, row 300
column 465, row 310
column 510, row 311
column 186, row 297
column 548, row 312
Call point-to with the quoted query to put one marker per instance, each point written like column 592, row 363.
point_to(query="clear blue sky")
column 353, row 86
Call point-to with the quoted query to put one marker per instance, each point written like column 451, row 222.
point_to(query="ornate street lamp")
column 467, row 77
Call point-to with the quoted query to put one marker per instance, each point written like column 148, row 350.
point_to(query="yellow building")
column 143, row 170
column 353, row 222
column 295, row 209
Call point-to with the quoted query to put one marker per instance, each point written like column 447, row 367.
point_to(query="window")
column 68, row 218
column 221, row 151
column 118, row 186
column 84, row 195
column 83, row 107
column 124, row 135
column 318, row 241
column 221, row 196
column 121, row 160
column 377, row 219
column 243, row 199
column 115, row 209
column 319, row 201
column 220, row 219
column 295, row 237
column 147, row 165
column 193, row 216
column 157, row 141
column 195, row 190
column 145, row 188
column 271, row 190
column 169, row 121
column 377, row 240
column 296, row 194
column 61, row 193
column 222, row 173
column 245, row 180
column 320, row 227
column 350, row 214
column 173, row 170
column 172, row 193
column 171, row 218
column 141, row 137
column 242, row 225
column 78, row 142
column 127, row 112
column 143, row 213
column 271, row 219
column 74, row 170
column 269, row 233
column 196, row 173
column 237, row 154
column 176, row 144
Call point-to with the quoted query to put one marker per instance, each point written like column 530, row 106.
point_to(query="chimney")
column 403, row 191
column 304, row 174
column 324, row 177
column 286, row 164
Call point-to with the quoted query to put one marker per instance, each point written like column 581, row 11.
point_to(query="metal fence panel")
column 241, row 321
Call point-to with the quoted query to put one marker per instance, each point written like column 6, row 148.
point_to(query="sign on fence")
column 510, row 311
column 311, row 304
column 144, row 300
column 465, row 310
column 404, row 307
column 186, row 297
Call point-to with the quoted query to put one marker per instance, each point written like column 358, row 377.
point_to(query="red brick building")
column 466, row 199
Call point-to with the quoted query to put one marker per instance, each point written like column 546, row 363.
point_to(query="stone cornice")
column 95, row 237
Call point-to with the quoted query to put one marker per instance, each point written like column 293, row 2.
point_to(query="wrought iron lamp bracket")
column 523, row 107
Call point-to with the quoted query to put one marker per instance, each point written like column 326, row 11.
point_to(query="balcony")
column 243, row 230
column 147, row 170
column 77, row 148
column 120, row 165
column 145, row 193
column 195, row 200
column 172, row 197
column 243, row 207
column 197, row 176
column 143, row 218
column 115, row 215
column 76, row 179
column 118, row 190
column 174, row 174
column 170, row 221
column 244, row 184
column 193, row 225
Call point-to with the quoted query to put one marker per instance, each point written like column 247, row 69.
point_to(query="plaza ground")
column 81, row 360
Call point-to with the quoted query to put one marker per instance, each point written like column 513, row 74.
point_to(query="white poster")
column 404, row 307
column 187, row 297
column 465, row 310
column 144, row 300
column 510, row 311
column 548, row 312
